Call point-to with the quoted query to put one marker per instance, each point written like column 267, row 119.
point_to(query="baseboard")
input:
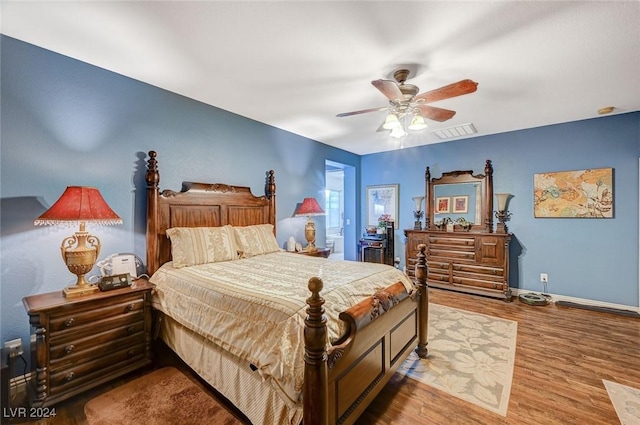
column 585, row 302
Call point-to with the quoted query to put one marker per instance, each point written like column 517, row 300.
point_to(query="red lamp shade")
column 309, row 207
column 80, row 204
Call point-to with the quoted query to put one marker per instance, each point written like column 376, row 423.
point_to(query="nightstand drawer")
column 71, row 321
column 82, row 372
column 96, row 344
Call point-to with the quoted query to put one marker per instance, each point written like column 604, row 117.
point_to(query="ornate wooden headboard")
column 200, row 205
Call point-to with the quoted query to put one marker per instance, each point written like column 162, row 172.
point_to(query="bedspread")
column 255, row 307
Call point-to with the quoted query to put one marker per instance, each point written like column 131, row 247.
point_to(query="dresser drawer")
column 452, row 241
column 79, row 320
column 481, row 271
column 476, row 282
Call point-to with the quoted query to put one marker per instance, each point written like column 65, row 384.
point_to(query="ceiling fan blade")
column 435, row 114
column 446, row 92
column 390, row 89
column 364, row 111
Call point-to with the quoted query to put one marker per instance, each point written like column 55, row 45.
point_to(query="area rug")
column 471, row 357
column 162, row 397
column 626, row 401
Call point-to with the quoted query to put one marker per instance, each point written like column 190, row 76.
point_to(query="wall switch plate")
column 544, row 278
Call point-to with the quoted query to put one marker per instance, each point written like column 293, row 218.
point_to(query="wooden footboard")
column 381, row 331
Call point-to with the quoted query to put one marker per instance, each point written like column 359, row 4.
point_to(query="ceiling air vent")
column 457, row 131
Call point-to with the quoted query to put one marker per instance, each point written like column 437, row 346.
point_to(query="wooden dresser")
column 83, row 342
column 476, row 263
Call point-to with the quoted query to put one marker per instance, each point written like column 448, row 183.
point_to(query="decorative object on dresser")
column 309, row 208
column 80, row 205
column 378, row 247
column 84, row 342
column 502, row 214
column 463, row 254
column 418, row 213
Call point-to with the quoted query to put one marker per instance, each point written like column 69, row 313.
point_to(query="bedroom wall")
column 591, row 259
column 65, row 122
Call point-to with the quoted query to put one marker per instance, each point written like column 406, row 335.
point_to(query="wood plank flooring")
column 562, row 355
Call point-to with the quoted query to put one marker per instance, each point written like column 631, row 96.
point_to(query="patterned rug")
column 471, row 357
column 626, row 401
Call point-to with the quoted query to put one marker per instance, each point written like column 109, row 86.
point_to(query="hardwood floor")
column 562, row 356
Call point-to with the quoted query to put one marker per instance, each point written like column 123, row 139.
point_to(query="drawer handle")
column 131, row 329
column 69, row 322
column 130, row 307
column 131, row 352
column 69, row 348
column 70, row 376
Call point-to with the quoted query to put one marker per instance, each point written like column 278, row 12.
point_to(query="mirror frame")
column 467, row 176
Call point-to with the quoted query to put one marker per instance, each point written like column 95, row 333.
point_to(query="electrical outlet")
column 544, row 278
column 14, row 347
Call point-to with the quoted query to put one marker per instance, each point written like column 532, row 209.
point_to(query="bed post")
column 423, row 302
column 315, row 396
column 488, row 171
column 153, row 179
column 270, row 192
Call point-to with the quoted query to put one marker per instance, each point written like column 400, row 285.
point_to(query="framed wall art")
column 382, row 200
column 574, row 194
column 460, row 204
column 443, row 205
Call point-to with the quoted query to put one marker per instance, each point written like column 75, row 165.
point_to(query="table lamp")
column 309, row 208
column 418, row 213
column 79, row 205
column 502, row 214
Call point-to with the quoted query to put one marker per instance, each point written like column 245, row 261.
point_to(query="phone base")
column 75, row 291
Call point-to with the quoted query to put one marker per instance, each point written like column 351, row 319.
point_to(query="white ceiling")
column 296, row 64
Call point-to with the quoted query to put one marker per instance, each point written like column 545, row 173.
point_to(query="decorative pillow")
column 256, row 240
column 199, row 245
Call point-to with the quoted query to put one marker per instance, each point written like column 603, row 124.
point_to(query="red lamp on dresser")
column 309, row 208
column 79, row 205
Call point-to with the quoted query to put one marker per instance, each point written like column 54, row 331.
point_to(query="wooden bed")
column 341, row 380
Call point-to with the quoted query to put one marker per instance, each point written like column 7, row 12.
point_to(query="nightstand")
column 321, row 252
column 84, row 342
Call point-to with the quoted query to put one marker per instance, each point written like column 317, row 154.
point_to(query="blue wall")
column 65, row 122
column 594, row 259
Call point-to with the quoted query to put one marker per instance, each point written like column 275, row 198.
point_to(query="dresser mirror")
column 461, row 199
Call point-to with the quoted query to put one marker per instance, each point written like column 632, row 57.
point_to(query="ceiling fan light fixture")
column 397, row 132
column 391, row 122
column 417, row 123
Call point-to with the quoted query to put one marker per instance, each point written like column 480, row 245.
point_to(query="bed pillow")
column 199, row 245
column 256, row 240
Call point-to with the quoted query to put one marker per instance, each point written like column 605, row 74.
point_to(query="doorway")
column 340, row 210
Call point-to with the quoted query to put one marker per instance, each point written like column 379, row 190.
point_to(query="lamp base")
column 75, row 291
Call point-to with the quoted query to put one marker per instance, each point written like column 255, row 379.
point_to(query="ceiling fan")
column 404, row 102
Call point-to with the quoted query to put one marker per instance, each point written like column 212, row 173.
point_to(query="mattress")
column 254, row 308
